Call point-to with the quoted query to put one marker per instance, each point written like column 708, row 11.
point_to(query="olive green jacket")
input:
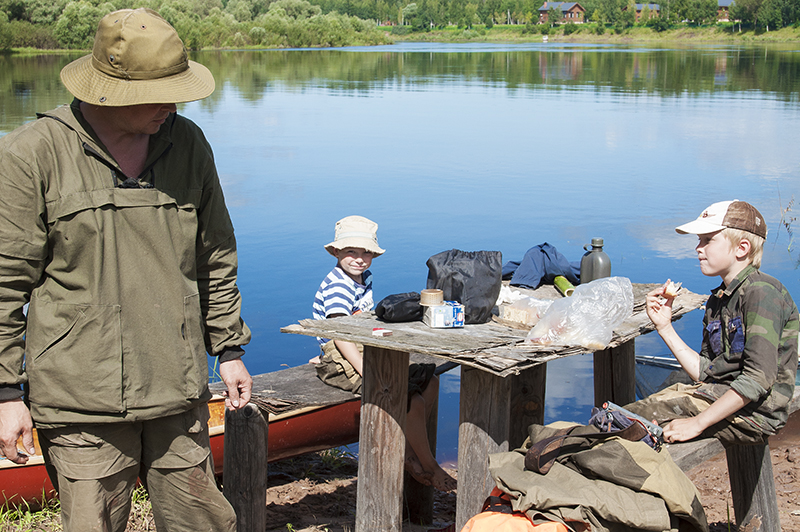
column 613, row 485
column 129, row 288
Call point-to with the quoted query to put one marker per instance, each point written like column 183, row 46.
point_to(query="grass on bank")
column 593, row 32
column 25, row 518
column 337, row 462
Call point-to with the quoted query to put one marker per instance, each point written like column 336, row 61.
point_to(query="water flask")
column 595, row 264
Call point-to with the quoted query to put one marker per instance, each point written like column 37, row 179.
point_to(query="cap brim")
column 698, row 227
column 92, row 86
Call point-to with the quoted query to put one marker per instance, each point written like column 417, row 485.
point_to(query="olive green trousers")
column 680, row 401
column 94, row 468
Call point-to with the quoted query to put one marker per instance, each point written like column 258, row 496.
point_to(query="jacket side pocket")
column 74, row 356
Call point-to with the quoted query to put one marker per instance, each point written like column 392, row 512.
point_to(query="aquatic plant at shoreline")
column 786, row 222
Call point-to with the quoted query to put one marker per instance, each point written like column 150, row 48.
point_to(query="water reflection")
column 630, row 71
column 480, row 147
column 31, row 80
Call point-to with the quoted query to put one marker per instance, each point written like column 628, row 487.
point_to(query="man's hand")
column 235, row 376
column 15, row 421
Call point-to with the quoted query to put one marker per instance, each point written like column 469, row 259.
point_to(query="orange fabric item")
column 497, row 516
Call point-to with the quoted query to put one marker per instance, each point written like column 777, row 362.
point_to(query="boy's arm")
column 659, row 310
column 350, row 352
column 687, row 428
column 763, row 317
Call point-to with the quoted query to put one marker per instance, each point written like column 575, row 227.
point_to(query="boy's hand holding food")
column 659, row 304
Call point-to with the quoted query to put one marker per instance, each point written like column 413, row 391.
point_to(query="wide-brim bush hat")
column 726, row 214
column 356, row 232
column 137, row 58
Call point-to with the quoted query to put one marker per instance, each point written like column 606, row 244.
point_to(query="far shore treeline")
column 70, row 24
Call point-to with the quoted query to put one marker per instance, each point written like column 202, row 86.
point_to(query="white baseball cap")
column 726, row 214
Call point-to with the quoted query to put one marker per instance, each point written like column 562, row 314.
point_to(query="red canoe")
column 290, row 434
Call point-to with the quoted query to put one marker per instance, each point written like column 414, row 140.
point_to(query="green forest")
column 70, row 24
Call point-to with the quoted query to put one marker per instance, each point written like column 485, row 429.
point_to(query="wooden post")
column 527, row 403
column 418, row 497
column 615, row 374
column 755, row 504
column 483, row 430
column 382, row 441
column 244, row 477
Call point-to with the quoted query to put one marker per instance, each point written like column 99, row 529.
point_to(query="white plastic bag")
column 507, row 295
column 588, row 317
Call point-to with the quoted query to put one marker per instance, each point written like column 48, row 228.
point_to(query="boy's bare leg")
column 414, row 467
column 417, row 438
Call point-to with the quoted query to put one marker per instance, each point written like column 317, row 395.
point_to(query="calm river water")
column 480, row 146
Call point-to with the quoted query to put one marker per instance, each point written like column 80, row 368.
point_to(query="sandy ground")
column 711, row 479
column 316, row 493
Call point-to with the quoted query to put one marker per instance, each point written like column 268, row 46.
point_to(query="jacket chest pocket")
column 714, row 332
column 718, row 332
column 736, row 335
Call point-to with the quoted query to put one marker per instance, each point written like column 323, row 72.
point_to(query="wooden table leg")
column 527, row 402
column 484, row 409
column 382, row 442
column 615, row 375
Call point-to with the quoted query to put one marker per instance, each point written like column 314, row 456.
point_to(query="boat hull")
column 289, row 435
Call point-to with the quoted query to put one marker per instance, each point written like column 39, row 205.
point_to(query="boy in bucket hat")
column 114, row 228
column 745, row 371
column 345, row 291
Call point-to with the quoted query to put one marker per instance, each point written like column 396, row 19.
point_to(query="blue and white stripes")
column 339, row 294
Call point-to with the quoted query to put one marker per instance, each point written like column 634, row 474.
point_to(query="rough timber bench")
column 750, row 471
column 296, row 414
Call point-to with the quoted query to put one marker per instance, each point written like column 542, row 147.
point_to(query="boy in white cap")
column 113, row 227
column 745, row 371
column 345, row 291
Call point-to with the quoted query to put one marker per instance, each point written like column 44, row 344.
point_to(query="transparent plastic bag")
column 588, row 317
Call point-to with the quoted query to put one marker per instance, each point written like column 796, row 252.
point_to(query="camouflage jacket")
column 750, row 333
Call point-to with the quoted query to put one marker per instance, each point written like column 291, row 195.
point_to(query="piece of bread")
column 671, row 289
column 526, row 316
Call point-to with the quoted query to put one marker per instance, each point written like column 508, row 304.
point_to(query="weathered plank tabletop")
column 502, row 392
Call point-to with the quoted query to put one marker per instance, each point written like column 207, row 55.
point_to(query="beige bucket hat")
column 137, row 58
column 356, row 232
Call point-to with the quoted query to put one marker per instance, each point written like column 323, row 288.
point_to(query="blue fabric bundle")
column 541, row 265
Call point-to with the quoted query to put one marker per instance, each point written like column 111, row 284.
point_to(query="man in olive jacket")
column 113, row 227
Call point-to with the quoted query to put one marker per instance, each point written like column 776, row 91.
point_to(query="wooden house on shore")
column 570, row 12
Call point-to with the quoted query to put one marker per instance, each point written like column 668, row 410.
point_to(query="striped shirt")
column 339, row 294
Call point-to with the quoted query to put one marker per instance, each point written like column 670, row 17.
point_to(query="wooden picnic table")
column 502, row 392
